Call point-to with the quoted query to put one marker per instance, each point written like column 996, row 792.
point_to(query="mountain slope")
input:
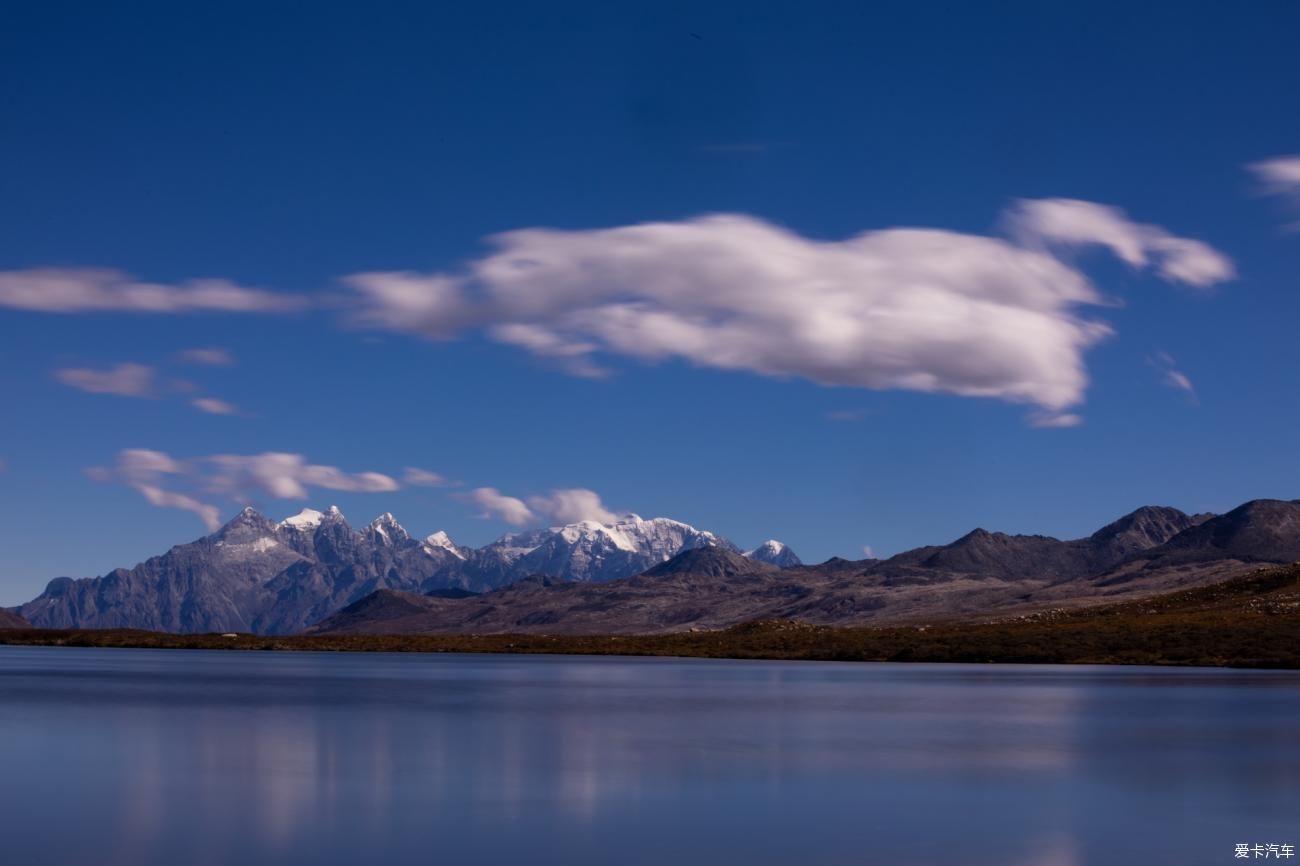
column 255, row 575
column 12, row 620
column 1262, row 530
column 980, row 574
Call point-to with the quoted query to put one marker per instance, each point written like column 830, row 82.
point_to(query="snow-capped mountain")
column 591, row 551
column 775, row 552
column 254, row 574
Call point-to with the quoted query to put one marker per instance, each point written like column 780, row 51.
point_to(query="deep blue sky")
column 285, row 148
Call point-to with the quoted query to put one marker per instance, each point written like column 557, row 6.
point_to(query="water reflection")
column 137, row 757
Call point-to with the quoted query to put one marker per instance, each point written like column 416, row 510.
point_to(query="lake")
column 164, row 757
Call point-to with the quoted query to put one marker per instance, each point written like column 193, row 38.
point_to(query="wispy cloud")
column 1055, row 420
column 191, row 484
column 493, row 504
column 915, row 309
column 561, row 506
column 140, row 380
column 1172, row 377
column 413, row 476
column 213, row 406
column 147, row 471
column 1280, row 176
column 285, row 475
column 209, row 357
column 87, row 290
column 572, row 505
column 1071, row 222
column 123, row 380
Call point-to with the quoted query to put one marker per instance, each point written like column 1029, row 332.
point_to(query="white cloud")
column 493, row 503
column 145, row 471
column 213, row 406
column 914, row 309
column 416, row 477
column 82, row 290
column 572, row 505
column 209, row 514
column 285, row 475
column 1057, row 420
column 1280, row 176
column 561, row 506
column 1071, row 222
column 208, row 357
column 1172, row 377
column 124, row 380
column 144, row 464
column 868, row 552
column 1178, row 379
column 157, row 476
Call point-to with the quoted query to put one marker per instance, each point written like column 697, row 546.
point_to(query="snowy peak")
column 442, row 541
column 776, row 553
column 305, row 520
column 386, row 530
column 594, row 551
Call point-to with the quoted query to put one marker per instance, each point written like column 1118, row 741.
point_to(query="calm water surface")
column 141, row 757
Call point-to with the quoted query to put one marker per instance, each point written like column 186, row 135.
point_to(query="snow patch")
column 308, row 518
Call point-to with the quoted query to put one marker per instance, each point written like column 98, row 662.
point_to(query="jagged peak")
column 385, row 526
column 249, row 519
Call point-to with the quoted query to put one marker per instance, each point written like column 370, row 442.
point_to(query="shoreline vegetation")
column 1251, row 621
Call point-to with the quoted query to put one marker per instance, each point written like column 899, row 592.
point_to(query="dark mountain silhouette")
column 711, row 562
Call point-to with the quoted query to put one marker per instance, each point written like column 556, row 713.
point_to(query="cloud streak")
column 1070, row 222
column 914, row 309
column 1172, row 377
column 413, row 476
column 190, row 484
column 213, row 406
column 122, row 380
column 560, row 506
column 207, row 357
column 90, row 290
column 1280, row 176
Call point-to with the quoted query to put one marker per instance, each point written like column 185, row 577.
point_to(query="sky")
column 859, row 277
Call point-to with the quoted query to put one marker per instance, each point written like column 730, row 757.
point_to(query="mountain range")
column 256, row 575
column 314, row 571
